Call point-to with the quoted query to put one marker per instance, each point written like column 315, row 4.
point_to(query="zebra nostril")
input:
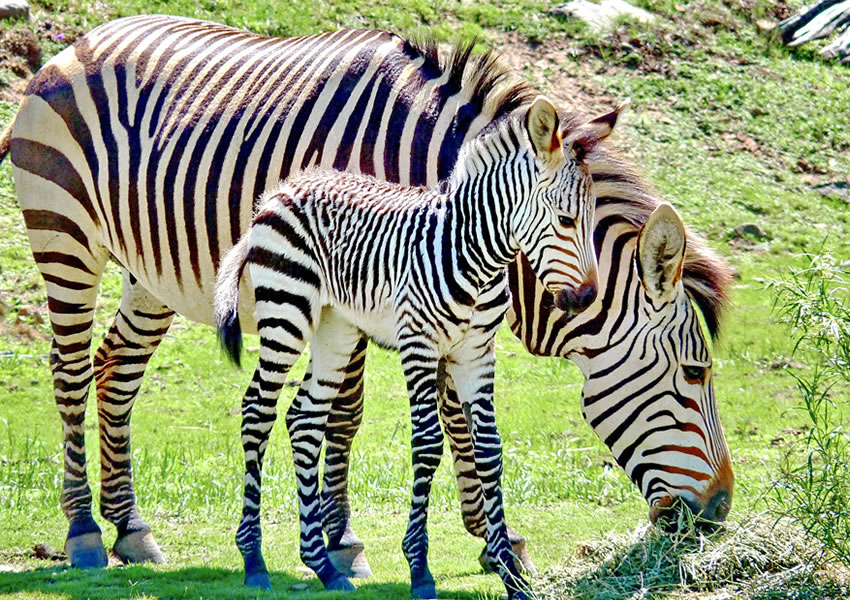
column 573, row 301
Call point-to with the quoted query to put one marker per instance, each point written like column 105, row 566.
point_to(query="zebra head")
column 649, row 395
column 555, row 232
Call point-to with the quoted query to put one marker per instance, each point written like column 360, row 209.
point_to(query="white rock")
column 14, row 8
column 602, row 16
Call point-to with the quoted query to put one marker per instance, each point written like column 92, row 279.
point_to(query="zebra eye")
column 566, row 221
column 694, row 374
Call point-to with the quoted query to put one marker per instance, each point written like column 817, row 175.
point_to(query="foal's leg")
column 472, row 367
column 331, row 348
column 420, row 359
column 345, row 549
column 285, row 321
column 468, row 483
column 473, row 373
column 119, row 366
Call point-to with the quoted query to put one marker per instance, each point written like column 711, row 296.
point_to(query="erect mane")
column 621, row 191
column 492, row 87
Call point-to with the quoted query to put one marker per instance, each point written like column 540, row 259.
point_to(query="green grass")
column 727, row 126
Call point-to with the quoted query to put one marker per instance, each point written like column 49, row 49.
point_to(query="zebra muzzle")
column 573, row 301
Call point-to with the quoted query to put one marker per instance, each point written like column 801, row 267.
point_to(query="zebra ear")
column 544, row 130
column 661, row 253
column 604, row 125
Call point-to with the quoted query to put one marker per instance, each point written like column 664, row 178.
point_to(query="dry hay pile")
column 757, row 558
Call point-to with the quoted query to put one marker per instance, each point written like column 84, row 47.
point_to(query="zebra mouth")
column 573, row 301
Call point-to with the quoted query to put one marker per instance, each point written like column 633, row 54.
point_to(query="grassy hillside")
column 730, row 127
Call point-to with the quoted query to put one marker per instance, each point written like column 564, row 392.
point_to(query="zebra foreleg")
column 473, row 374
column 331, row 350
column 420, row 370
column 119, row 366
column 469, row 485
column 345, row 550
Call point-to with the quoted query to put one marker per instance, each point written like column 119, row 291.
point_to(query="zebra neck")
column 478, row 231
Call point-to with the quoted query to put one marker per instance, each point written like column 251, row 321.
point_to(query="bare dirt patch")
column 22, row 52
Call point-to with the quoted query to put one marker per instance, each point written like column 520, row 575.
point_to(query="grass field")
column 727, row 125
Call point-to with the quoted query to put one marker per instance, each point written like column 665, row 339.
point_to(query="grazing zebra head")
column 648, row 391
column 553, row 227
column 671, row 443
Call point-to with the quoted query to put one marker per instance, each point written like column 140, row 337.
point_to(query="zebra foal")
column 333, row 257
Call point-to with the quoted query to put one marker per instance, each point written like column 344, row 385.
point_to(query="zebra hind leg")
column 455, row 426
column 285, row 322
column 72, row 276
column 332, row 347
column 119, row 366
column 345, row 550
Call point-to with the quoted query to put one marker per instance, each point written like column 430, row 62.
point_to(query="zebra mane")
column 494, row 89
column 621, row 192
column 491, row 85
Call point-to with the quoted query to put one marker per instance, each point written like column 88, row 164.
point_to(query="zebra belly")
column 379, row 326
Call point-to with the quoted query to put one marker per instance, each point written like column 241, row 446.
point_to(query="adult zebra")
column 149, row 139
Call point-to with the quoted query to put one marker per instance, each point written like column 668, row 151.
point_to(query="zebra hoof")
column 258, row 580
column 340, row 583
column 138, row 547
column 423, row 591
column 256, row 572
column 86, row 551
column 522, row 560
column 351, row 561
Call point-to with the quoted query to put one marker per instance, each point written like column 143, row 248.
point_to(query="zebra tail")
column 6, row 141
column 226, row 311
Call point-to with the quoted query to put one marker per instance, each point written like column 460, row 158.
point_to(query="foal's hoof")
column 259, row 580
column 340, row 583
column 423, row 591
column 521, row 559
column 86, row 551
column 351, row 561
column 256, row 573
column 138, row 547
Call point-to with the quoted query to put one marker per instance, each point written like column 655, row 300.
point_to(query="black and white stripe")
column 334, row 257
column 149, row 141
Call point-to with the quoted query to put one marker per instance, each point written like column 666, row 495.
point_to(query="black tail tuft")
column 230, row 338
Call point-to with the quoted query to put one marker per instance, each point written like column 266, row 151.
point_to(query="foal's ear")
column 604, row 125
column 661, row 253
column 544, row 130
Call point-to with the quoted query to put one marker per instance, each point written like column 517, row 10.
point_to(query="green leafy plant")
column 815, row 301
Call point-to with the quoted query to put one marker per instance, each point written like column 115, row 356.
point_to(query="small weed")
column 815, row 302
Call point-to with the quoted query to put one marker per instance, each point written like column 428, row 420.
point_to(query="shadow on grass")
column 195, row 582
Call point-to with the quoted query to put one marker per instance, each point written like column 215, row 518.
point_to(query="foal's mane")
column 496, row 90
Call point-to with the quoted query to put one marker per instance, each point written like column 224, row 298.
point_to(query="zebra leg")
column 345, row 550
column 72, row 275
column 331, row 350
column 420, row 364
column 119, row 366
column 473, row 373
column 469, row 485
column 285, row 322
